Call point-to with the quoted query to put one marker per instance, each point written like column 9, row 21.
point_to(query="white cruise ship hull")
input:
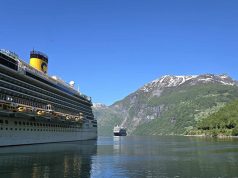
column 12, row 134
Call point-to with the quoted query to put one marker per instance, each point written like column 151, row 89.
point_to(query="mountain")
column 168, row 105
column 107, row 118
column 221, row 123
column 99, row 106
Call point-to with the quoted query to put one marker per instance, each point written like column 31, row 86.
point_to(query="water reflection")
column 116, row 144
column 154, row 156
column 166, row 157
column 48, row 160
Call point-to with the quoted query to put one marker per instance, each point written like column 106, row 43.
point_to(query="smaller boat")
column 119, row 131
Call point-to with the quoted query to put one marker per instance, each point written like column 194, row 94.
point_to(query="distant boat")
column 119, row 131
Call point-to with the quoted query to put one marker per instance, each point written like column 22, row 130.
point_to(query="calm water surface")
column 124, row 157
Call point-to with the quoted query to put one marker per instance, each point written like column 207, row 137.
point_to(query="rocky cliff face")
column 159, row 101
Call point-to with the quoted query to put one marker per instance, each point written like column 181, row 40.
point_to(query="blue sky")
column 111, row 48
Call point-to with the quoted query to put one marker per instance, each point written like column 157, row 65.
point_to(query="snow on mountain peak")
column 175, row 81
column 99, row 105
column 167, row 81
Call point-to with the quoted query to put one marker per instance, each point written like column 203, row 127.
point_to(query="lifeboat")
column 40, row 112
column 21, row 109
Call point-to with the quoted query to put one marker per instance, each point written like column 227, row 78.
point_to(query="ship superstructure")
column 37, row 108
column 119, row 131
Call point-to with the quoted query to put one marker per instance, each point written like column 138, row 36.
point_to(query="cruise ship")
column 119, row 131
column 38, row 108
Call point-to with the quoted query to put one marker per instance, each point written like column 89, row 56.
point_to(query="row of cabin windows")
column 29, row 92
column 35, row 104
column 6, row 61
column 53, row 85
column 27, row 129
column 23, row 101
column 2, row 121
column 36, row 124
column 3, row 57
column 32, row 87
column 43, row 124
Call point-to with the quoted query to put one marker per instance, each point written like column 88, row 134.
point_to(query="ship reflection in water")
column 152, row 156
column 48, row 160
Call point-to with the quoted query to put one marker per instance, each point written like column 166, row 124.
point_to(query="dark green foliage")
column 225, row 119
column 235, row 131
column 184, row 103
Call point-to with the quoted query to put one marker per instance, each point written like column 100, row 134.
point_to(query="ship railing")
column 65, row 84
column 85, row 96
column 74, row 90
column 9, row 54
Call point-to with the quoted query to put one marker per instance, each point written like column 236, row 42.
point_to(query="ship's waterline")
column 37, row 108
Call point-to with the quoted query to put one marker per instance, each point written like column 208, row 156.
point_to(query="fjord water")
column 153, row 156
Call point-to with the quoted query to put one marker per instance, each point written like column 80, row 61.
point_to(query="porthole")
column 6, row 121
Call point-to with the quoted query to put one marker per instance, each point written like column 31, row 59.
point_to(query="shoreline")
column 210, row 136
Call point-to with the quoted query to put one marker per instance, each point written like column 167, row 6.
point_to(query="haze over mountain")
column 168, row 105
